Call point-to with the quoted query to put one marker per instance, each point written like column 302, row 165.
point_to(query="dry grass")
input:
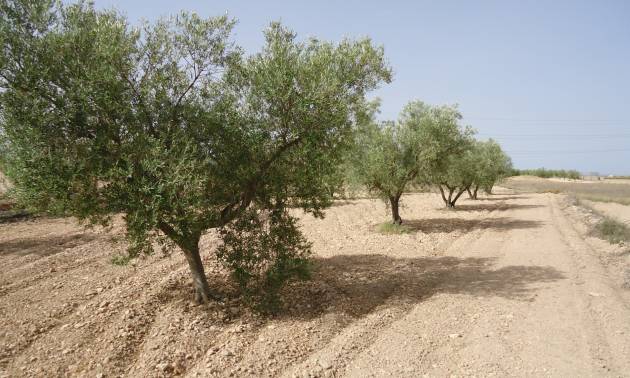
column 622, row 200
column 389, row 228
column 600, row 191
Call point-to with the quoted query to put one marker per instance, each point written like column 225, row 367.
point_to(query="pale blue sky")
column 549, row 79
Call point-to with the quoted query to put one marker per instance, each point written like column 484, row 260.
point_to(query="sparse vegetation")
column 547, row 173
column 600, row 191
column 121, row 259
column 612, row 230
column 388, row 228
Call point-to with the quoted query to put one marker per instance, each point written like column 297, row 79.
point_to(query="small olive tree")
column 445, row 158
column 385, row 160
column 173, row 127
column 459, row 176
column 491, row 164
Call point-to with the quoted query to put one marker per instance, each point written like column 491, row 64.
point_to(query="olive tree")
column 386, row 160
column 498, row 164
column 491, row 164
column 172, row 125
column 445, row 155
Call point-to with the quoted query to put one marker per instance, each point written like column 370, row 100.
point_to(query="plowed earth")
column 509, row 285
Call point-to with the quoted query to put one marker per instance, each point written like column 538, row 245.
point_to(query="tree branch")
column 232, row 210
column 190, row 86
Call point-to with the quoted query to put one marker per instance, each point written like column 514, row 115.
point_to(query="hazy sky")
column 549, row 79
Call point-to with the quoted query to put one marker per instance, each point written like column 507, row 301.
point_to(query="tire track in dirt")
column 431, row 345
column 603, row 305
column 88, row 315
column 520, row 319
column 486, row 290
column 334, row 357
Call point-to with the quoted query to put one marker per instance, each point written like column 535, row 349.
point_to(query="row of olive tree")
column 177, row 129
column 425, row 146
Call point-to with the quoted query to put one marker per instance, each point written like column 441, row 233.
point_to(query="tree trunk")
column 470, row 195
column 474, row 194
column 189, row 244
column 203, row 294
column 443, row 196
column 449, row 202
column 452, row 202
column 394, row 202
column 488, row 189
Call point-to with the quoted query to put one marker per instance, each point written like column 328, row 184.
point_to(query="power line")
column 554, row 136
column 542, row 120
column 568, row 151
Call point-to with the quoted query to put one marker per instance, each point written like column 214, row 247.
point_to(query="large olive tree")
column 172, row 125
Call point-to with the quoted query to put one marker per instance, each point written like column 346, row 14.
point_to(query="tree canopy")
column 491, row 165
column 172, row 124
column 385, row 160
column 444, row 160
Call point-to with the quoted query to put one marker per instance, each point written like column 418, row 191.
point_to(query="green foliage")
column 385, row 160
column 388, row 228
column 547, row 173
column 613, row 231
column 490, row 165
column 264, row 252
column 446, row 159
column 171, row 124
column 426, row 146
column 121, row 260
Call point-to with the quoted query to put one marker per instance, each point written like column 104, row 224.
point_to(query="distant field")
column 617, row 190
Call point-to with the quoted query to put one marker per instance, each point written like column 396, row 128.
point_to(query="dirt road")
column 510, row 285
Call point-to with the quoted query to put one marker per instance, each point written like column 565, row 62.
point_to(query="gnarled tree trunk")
column 450, row 200
column 473, row 194
column 189, row 244
column 203, row 294
column 394, row 202
column 454, row 199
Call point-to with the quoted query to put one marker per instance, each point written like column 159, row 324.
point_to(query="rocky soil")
column 510, row 285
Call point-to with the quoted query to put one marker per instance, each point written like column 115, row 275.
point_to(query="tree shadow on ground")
column 357, row 284
column 441, row 225
column 501, row 197
column 345, row 202
column 11, row 216
column 492, row 207
column 44, row 246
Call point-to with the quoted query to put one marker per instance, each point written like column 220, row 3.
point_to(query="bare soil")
column 509, row 285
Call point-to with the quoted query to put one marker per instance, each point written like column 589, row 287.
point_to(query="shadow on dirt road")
column 357, row 284
column 492, row 207
column 434, row 225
